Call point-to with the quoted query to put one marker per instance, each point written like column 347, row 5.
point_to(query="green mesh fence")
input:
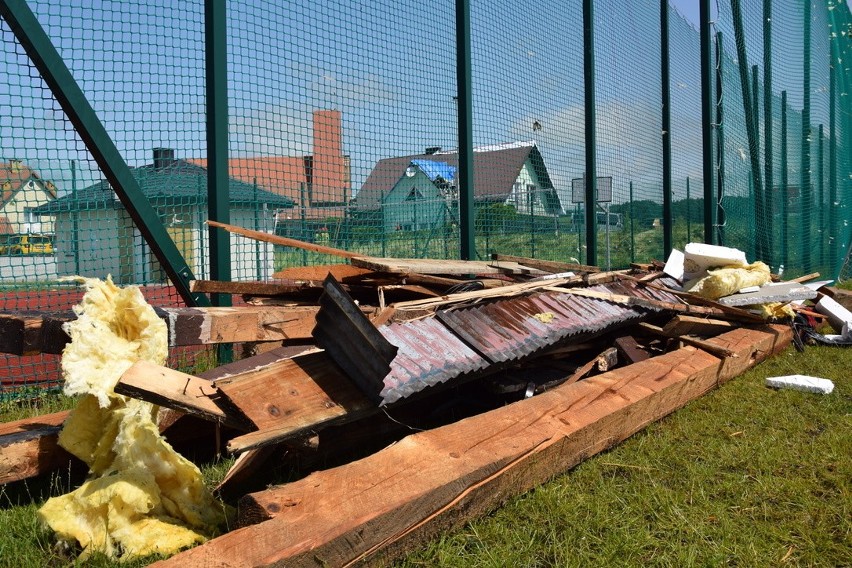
column 343, row 130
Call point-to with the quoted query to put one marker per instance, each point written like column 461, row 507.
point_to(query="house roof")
column 14, row 174
column 283, row 175
column 177, row 182
column 495, row 169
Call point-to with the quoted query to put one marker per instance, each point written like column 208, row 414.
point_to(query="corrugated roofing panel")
column 428, row 354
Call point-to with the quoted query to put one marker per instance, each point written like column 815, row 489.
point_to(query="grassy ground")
column 745, row 476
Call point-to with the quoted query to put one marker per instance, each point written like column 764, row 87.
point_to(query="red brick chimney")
column 328, row 180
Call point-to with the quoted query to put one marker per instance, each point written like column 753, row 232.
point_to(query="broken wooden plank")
column 690, row 325
column 309, row 382
column 34, row 332
column 253, row 288
column 694, row 341
column 173, row 389
column 630, row 350
column 545, row 265
column 318, row 272
column 436, row 267
column 439, row 479
column 29, row 447
column 284, row 241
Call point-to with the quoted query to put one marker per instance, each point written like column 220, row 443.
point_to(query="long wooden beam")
column 546, row 265
column 398, row 498
column 31, row 333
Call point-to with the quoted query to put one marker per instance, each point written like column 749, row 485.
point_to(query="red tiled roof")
column 14, row 174
column 283, row 175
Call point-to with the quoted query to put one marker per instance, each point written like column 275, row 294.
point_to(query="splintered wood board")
column 286, row 397
column 341, row 272
column 433, row 266
column 29, row 447
column 399, row 498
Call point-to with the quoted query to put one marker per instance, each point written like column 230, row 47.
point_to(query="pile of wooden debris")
column 406, row 396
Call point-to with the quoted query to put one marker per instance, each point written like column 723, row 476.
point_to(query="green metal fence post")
column 764, row 229
column 668, row 221
column 218, row 200
column 821, row 195
column 467, row 244
column 758, row 203
column 590, row 178
column 805, row 172
column 784, row 190
column 32, row 37
column 384, row 229
column 720, row 144
column 531, row 204
column 751, row 119
column 688, row 214
column 707, row 121
column 633, row 230
column 833, row 233
column 75, row 219
column 257, row 245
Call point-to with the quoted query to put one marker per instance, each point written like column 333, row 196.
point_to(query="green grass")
column 744, row 476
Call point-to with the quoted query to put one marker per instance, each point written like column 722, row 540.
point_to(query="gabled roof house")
column 23, row 191
column 414, row 190
column 95, row 235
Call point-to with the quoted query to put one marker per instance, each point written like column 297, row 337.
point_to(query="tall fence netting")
column 343, row 130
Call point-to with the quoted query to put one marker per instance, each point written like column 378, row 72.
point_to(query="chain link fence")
column 343, row 129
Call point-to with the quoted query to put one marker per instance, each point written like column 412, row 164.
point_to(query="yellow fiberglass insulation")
column 730, row 280
column 141, row 497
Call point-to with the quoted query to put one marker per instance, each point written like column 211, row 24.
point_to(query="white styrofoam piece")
column 674, row 264
column 748, row 289
column 555, row 276
column 699, row 257
column 837, row 315
column 802, row 383
column 817, row 284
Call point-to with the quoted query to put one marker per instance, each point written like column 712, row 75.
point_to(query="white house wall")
column 518, row 197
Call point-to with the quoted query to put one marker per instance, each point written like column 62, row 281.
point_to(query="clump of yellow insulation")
column 141, row 497
column 729, row 280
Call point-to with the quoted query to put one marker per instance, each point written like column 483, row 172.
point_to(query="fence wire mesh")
column 343, row 130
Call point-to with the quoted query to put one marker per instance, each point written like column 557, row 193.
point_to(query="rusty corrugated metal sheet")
column 429, row 354
column 511, row 329
column 462, row 341
column 352, row 341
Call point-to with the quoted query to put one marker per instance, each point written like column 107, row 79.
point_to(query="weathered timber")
column 630, row 350
column 545, row 265
column 29, row 447
column 438, row 267
column 30, row 333
column 33, row 332
column 308, row 383
column 253, row 288
column 284, row 241
column 318, row 272
column 395, row 500
column 694, row 341
column 690, row 325
column 176, row 390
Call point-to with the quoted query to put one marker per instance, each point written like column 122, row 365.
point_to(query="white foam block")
column 837, row 315
column 802, row 383
column 674, row 264
column 699, row 257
